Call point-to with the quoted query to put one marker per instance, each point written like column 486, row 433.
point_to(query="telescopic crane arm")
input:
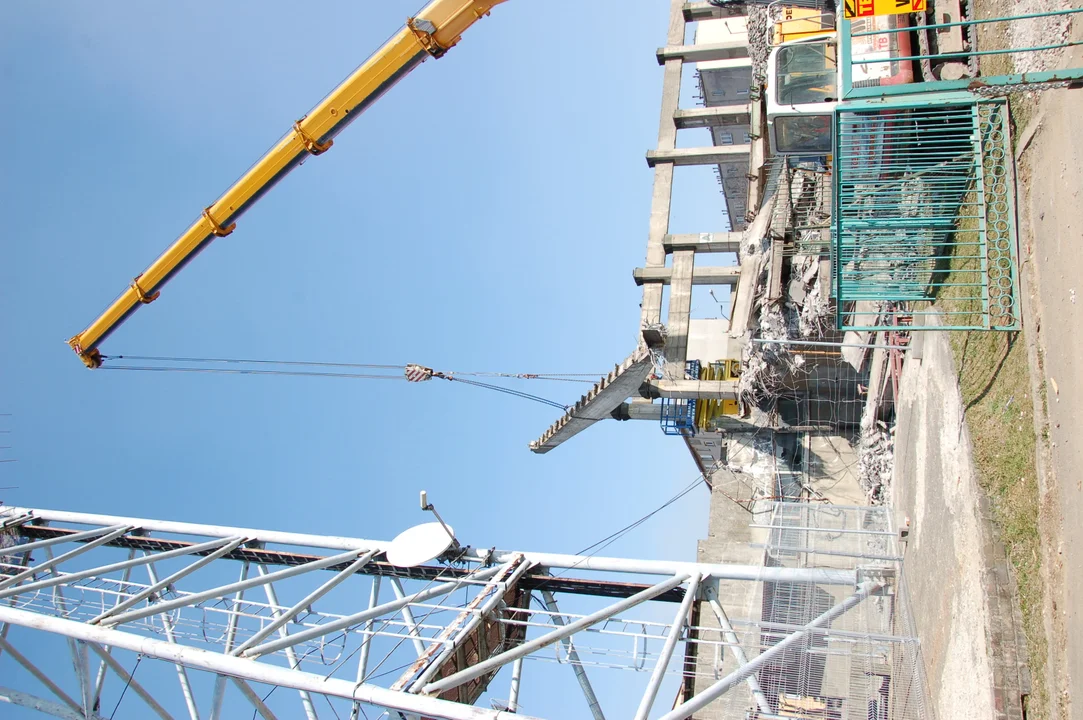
column 431, row 33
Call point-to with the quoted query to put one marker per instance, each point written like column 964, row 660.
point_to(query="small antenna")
column 426, row 505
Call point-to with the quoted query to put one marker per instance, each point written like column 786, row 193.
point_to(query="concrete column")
column 662, row 194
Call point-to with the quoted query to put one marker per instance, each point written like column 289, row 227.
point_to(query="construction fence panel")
column 924, row 215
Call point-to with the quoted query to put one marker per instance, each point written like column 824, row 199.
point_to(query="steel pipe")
column 513, row 692
column 48, row 707
column 182, row 673
column 41, row 676
column 219, row 693
column 366, row 643
column 129, row 680
column 193, row 599
column 820, row 576
column 674, row 636
column 408, row 618
column 125, row 565
column 111, row 534
column 157, row 584
column 358, row 618
column 305, row 602
column 291, row 656
column 551, row 637
column 738, row 652
column 254, row 671
column 550, row 603
column 720, row 688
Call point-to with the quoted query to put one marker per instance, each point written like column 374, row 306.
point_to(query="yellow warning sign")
column 867, row 8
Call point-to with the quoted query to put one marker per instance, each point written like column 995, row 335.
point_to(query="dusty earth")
column 1050, row 174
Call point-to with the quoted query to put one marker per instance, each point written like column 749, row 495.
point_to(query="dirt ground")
column 1050, row 155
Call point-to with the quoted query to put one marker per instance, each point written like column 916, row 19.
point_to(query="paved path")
column 957, row 576
column 1051, row 220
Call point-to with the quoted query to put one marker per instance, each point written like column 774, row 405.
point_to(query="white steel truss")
column 259, row 609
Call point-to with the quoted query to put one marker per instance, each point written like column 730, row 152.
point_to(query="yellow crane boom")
column 431, row 33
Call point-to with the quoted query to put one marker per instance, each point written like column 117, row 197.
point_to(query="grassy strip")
column 995, row 384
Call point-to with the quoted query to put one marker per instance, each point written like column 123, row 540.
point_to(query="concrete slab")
column 957, row 575
column 607, row 395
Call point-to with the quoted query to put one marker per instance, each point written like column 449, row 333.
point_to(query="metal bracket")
column 424, row 30
column 141, row 293
column 217, row 229
column 879, row 574
column 310, row 143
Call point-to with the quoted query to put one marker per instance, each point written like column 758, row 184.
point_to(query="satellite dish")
column 419, row 544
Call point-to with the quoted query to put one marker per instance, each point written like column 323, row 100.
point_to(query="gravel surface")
column 1038, row 32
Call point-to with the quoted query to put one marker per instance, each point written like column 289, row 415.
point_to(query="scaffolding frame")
column 305, row 618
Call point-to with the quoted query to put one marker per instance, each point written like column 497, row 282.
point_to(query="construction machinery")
column 804, row 81
column 436, row 29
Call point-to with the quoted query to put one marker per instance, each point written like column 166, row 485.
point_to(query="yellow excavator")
column 436, row 29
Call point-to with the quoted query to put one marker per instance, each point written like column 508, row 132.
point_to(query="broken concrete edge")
column 602, row 399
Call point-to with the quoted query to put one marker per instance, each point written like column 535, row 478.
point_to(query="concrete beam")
column 700, row 275
column 705, row 242
column 757, row 127
column 697, row 11
column 694, row 389
column 774, row 270
column 741, row 315
column 713, row 117
column 703, row 53
column 682, row 157
column 680, row 306
column 605, row 397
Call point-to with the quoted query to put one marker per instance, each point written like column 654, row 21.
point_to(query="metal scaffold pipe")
column 197, row 658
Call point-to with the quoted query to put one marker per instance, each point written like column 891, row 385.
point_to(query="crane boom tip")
column 92, row 358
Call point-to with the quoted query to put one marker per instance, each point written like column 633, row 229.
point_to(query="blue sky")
column 485, row 215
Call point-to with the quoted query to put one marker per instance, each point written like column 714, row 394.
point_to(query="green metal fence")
column 945, row 50
column 924, row 212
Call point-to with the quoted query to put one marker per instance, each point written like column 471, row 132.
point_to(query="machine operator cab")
column 802, row 89
column 803, row 82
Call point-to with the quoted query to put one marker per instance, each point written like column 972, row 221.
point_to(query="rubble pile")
column 875, row 461
column 758, row 47
column 809, row 295
column 767, row 366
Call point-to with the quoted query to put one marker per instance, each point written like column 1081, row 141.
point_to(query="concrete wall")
column 709, row 341
column 727, row 82
column 728, row 539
